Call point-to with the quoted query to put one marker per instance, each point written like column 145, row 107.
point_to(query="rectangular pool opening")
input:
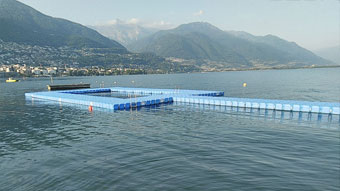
column 120, row 95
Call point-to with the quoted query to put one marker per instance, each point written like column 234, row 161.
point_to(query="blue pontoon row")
column 159, row 96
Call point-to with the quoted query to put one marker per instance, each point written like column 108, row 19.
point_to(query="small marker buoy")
column 244, row 84
column 90, row 108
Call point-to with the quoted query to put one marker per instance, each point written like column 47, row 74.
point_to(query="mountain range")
column 23, row 24
column 203, row 41
column 197, row 46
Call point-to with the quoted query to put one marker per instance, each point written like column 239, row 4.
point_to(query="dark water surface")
column 172, row 147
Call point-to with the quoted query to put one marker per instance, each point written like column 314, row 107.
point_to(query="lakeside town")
column 17, row 70
column 26, row 60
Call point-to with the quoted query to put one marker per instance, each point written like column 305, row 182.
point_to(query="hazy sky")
column 312, row 24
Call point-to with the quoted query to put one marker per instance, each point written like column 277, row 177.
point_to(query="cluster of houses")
column 23, row 70
column 33, row 71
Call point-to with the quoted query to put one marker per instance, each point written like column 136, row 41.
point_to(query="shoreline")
column 225, row 70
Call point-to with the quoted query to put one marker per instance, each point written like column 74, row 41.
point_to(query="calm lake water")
column 173, row 147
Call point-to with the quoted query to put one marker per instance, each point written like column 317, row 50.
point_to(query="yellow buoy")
column 244, row 84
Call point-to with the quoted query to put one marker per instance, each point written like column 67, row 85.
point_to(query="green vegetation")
column 22, row 24
column 85, row 59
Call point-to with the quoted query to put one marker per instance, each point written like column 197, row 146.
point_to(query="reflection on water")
column 329, row 120
column 267, row 114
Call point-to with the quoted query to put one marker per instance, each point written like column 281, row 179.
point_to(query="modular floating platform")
column 123, row 98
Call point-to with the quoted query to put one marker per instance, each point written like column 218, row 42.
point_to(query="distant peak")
column 271, row 36
column 198, row 26
column 199, row 23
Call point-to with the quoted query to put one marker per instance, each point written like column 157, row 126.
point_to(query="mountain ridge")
column 23, row 24
column 330, row 53
column 269, row 50
column 122, row 32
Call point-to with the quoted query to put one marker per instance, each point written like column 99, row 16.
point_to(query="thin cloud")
column 199, row 13
column 136, row 21
column 133, row 21
column 158, row 24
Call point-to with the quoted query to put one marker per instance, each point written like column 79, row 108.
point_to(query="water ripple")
column 172, row 147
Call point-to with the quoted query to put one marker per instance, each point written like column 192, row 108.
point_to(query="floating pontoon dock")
column 147, row 97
